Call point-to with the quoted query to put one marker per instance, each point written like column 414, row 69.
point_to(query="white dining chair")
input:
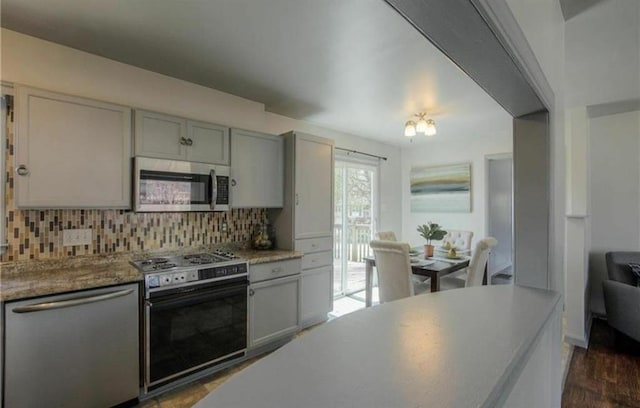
column 387, row 236
column 394, row 271
column 460, row 240
column 475, row 271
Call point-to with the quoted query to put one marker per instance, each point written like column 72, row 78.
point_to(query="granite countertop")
column 27, row 279
column 254, row 256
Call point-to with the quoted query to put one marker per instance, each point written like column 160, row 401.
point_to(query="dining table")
column 432, row 267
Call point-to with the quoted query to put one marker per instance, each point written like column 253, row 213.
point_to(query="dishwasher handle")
column 37, row 307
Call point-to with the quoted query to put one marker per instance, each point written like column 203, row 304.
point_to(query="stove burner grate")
column 161, row 266
column 155, row 261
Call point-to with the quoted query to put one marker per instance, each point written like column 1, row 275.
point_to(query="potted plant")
column 430, row 231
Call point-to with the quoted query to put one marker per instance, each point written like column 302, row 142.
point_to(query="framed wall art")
column 441, row 189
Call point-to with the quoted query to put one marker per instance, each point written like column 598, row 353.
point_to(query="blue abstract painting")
column 441, row 189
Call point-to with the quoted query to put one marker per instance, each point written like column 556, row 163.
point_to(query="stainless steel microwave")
column 172, row 185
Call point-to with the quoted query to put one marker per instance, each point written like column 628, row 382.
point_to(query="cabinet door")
column 257, row 164
column 208, row 143
column 317, row 300
column 274, row 309
column 71, row 152
column 313, row 187
column 161, row 136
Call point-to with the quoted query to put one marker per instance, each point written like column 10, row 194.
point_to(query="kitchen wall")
column 31, row 61
column 603, row 54
column 542, row 23
column 42, row 64
column 439, row 151
column 614, row 194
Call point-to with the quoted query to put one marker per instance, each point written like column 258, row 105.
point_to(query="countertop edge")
column 256, row 257
column 511, row 374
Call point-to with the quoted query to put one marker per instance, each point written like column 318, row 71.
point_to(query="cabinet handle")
column 297, row 199
column 233, row 182
column 22, row 170
column 69, row 303
column 189, row 142
column 183, row 141
column 276, row 270
column 252, row 292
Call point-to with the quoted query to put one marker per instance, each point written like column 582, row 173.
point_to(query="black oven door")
column 194, row 330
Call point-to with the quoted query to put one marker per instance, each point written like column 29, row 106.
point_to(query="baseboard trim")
column 565, row 369
column 504, row 268
column 587, row 333
column 584, row 343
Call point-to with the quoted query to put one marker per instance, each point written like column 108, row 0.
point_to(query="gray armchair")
column 621, row 295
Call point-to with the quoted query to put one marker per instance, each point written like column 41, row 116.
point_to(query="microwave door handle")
column 214, row 189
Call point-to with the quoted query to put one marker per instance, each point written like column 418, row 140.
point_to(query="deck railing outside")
column 358, row 238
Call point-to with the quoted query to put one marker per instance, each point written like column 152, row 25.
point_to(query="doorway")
column 355, row 192
column 499, row 173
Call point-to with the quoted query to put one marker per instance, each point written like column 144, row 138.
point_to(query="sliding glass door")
column 355, row 215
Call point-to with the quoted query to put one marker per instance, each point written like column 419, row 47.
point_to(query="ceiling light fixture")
column 424, row 126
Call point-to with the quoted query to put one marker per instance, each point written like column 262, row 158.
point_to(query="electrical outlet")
column 225, row 227
column 73, row 237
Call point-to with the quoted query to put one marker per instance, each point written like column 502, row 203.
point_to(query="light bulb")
column 421, row 127
column 430, row 127
column 410, row 129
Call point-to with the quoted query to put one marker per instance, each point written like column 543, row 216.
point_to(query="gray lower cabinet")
column 317, row 299
column 74, row 350
column 274, row 304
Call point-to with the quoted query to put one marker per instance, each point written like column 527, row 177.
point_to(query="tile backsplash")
column 37, row 234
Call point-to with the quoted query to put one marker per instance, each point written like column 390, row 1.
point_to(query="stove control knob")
column 153, row 281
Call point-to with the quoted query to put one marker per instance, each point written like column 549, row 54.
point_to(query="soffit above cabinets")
column 571, row 8
column 354, row 66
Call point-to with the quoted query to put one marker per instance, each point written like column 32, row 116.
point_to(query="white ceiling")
column 350, row 65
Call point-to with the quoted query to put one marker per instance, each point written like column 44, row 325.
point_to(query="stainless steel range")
column 195, row 314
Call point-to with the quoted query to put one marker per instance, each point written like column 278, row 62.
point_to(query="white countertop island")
column 477, row 347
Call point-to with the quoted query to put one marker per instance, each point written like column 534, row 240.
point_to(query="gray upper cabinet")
column 207, row 143
column 161, row 136
column 171, row 137
column 257, row 170
column 313, row 187
column 71, row 152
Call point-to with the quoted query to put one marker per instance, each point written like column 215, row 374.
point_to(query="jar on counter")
column 262, row 240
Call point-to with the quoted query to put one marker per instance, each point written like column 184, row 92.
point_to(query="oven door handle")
column 214, row 188
column 191, row 298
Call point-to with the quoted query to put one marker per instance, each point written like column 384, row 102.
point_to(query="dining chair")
column 387, row 236
column 394, row 271
column 461, row 240
column 475, row 271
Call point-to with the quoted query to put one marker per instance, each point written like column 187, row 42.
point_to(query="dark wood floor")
column 605, row 375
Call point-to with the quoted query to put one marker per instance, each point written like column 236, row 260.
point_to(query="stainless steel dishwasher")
column 74, row 350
